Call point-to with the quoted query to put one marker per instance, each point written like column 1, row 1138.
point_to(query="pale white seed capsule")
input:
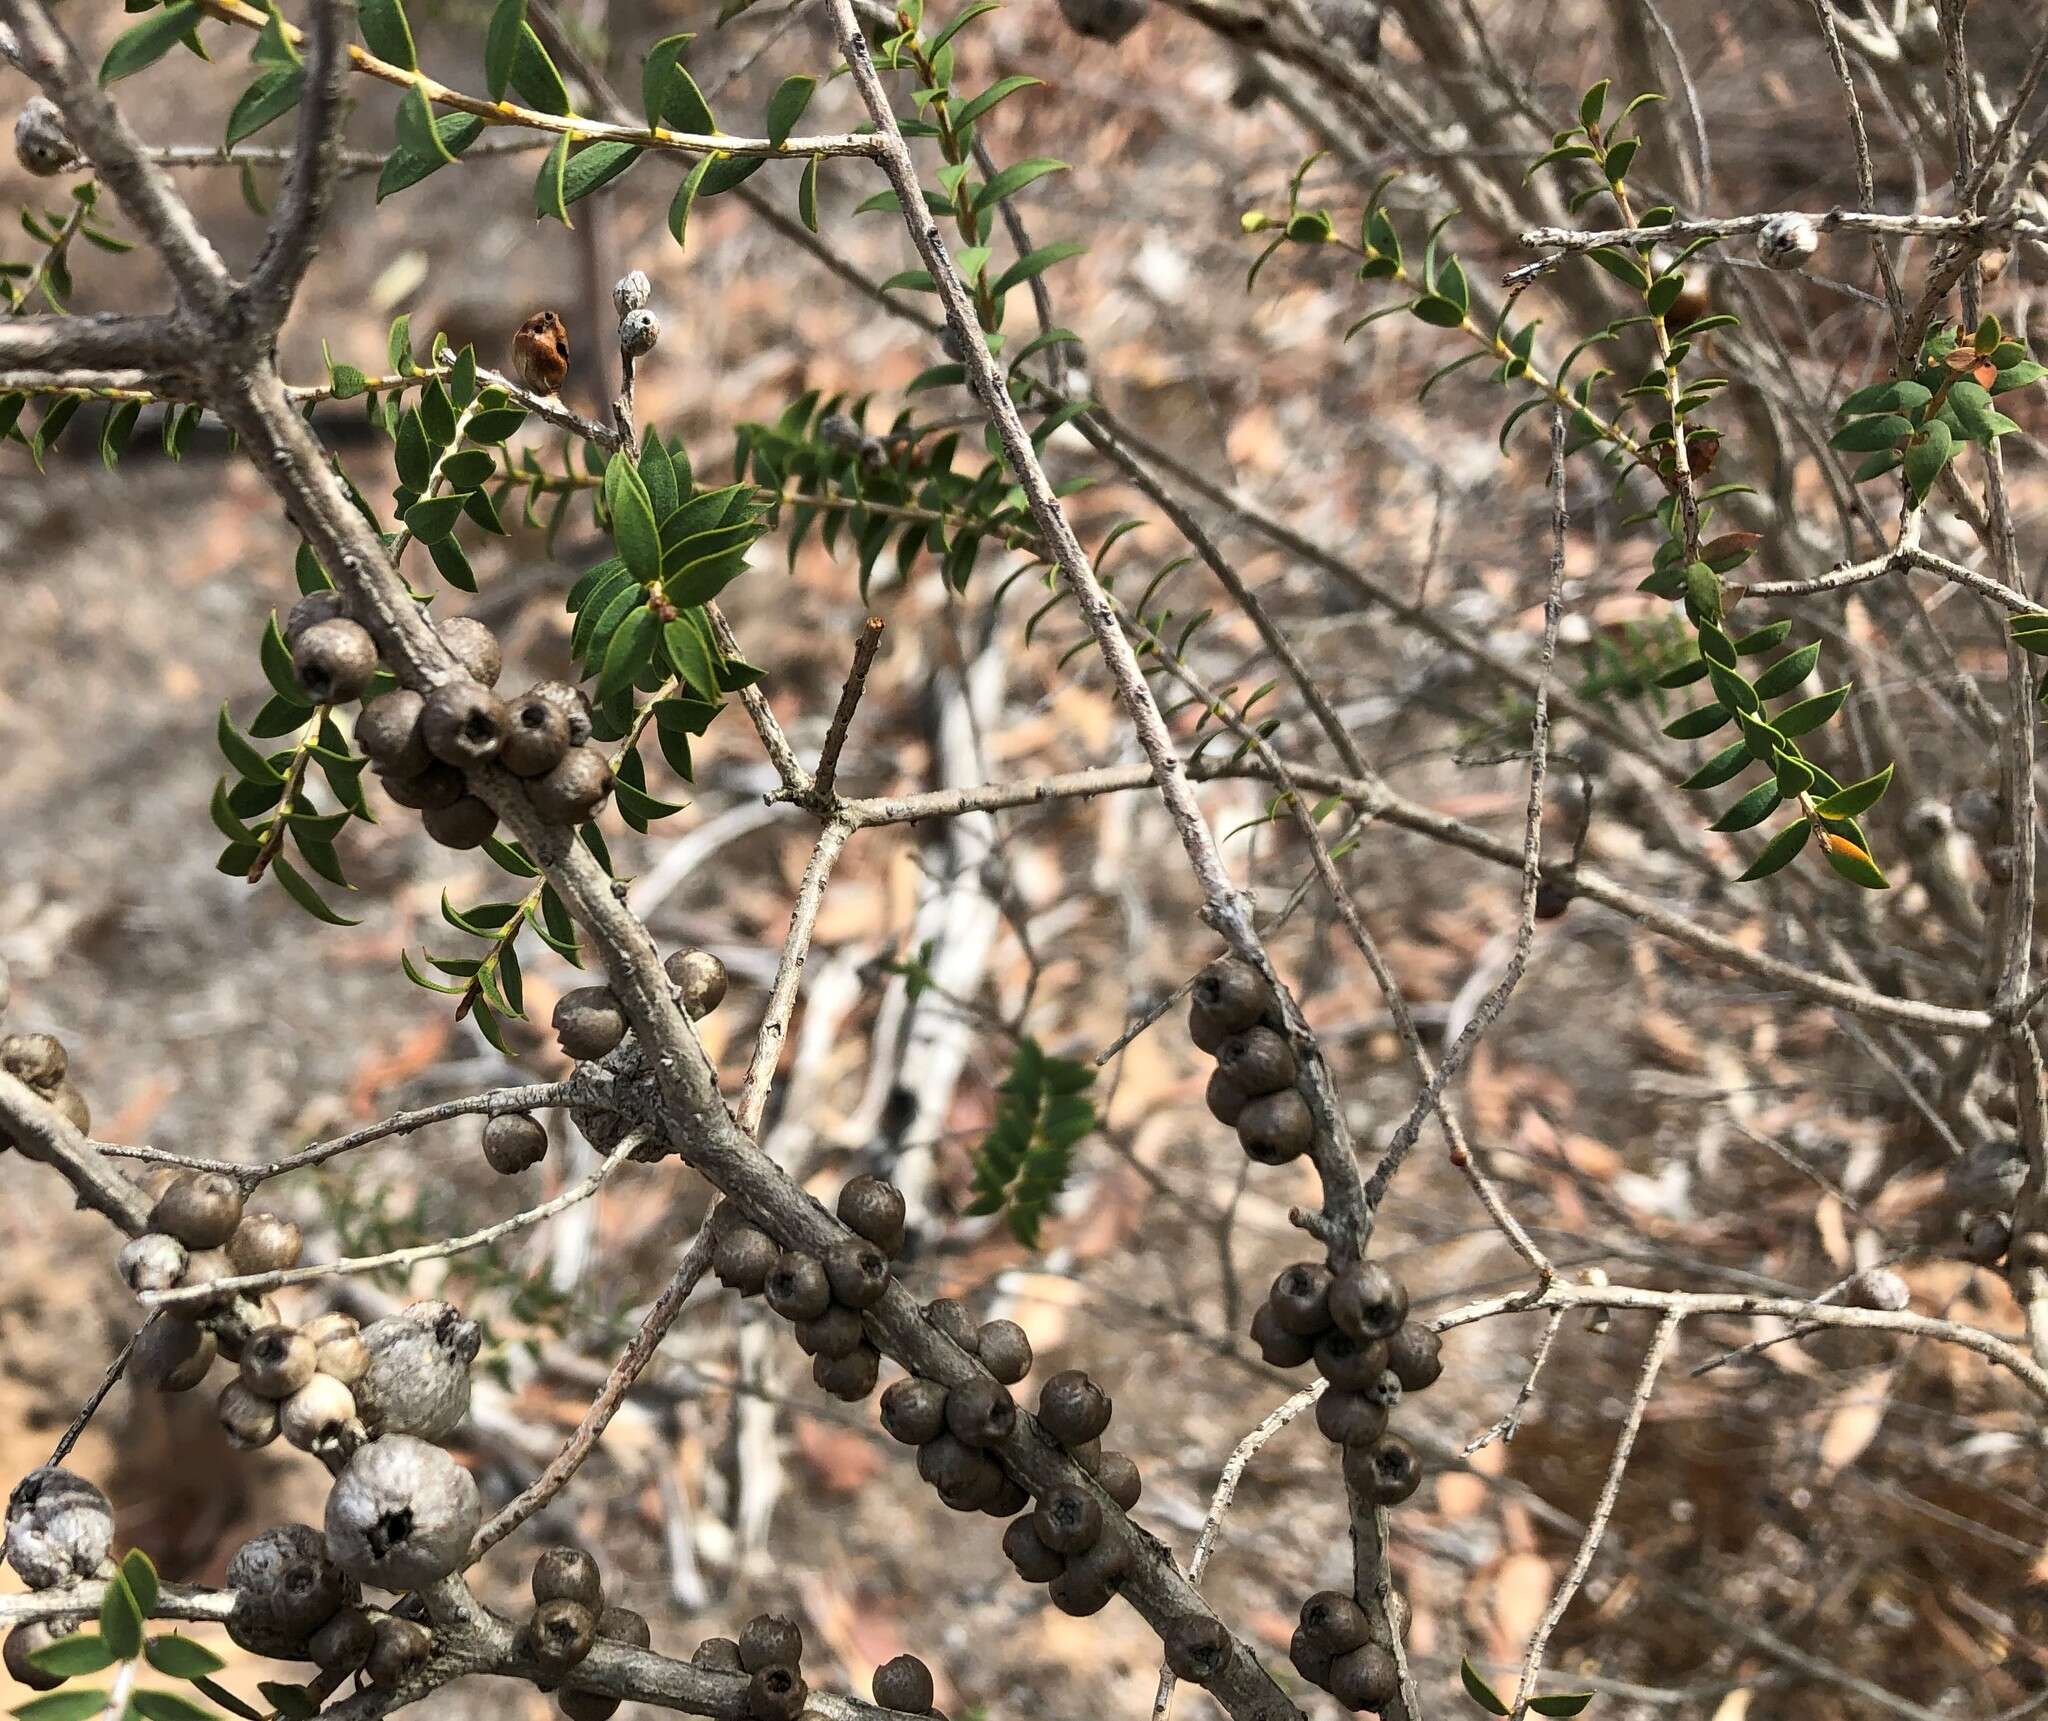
column 638, row 332
column 314, row 1418
column 631, row 290
column 59, row 1528
column 1786, row 242
column 401, row 1514
column 41, row 143
column 418, row 1378
column 155, row 1261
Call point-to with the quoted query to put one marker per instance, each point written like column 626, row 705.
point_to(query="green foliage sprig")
column 1043, row 1111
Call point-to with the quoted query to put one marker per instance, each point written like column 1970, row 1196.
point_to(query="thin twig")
column 865, row 647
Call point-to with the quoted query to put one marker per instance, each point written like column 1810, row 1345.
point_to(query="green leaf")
column 1779, row 852
column 594, row 165
column 228, row 1700
column 1857, row 799
column 1901, row 396
column 181, row 1658
column 1594, row 103
column 550, row 195
column 249, row 763
column 1014, row 178
column 68, row 1657
column 387, row 33
column 787, row 106
column 170, row 1706
column 1788, row 672
column 417, row 133
column 1866, row 435
column 1561, row 1703
column 630, row 651
column 534, row 75
column 140, row 1571
column 407, row 167
column 689, row 650
column 501, row 46
column 669, row 94
column 807, row 193
column 1035, row 263
column 1478, row 1690
column 294, row 1702
column 301, row 892
column 63, row 1706
column 121, row 1620
column 433, row 519
column 272, row 95
column 1693, row 725
column 1810, row 714
column 1926, row 458
column 1729, row 763
column 1438, row 313
column 1001, row 90
column 1850, row 862
column 2020, row 375
column 146, row 43
column 632, row 511
column 1752, row 809
column 685, row 198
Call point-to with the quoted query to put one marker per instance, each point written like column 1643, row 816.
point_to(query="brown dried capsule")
column 1386, row 1472
column 1091, row 1579
column 981, row 1413
column 536, row 736
column 701, row 978
column 398, row 1647
column 588, row 1022
column 770, row 1640
column 717, row 1655
column 561, row 1633
column 334, row 660
column 1067, row 1520
column 838, row 1332
column 1275, row 1128
column 1117, row 1476
column 623, row 1625
column 22, row 1642
column 1197, row 1648
column 438, row 785
column 248, row 1421
column 1010, row 1499
column 848, row 1378
column 199, row 1208
column 1073, row 1408
column 464, row 724
column 587, row 1705
column 1364, row 1678
column 309, row 611
column 797, row 1287
column 574, row 789
column 568, row 1574
column 173, row 1353
column 1310, row 1662
column 952, row 1319
column 1231, row 996
column 71, row 1107
column 776, row 1693
column 1258, row 1061
column 1349, row 1364
column 858, row 1273
column 1300, row 1298
column 967, row 1479
column 904, row 1684
column 1349, row 1418
column 573, row 704
column 265, row 1243
column 1415, row 1354
column 277, row 1361
column 914, row 1411
column 873, row 1208
column 1368, row 1302
column 743, row 1259
column 475, row 647
column 463, row 824
column 514, row 1141
column 155, row 1261
column 315, row 1417
column 1005, row 1350
column 1225, row 1099
column 1333, row 1624
column 1279, row 1347
column 344, row 1643
column 37, row 1059
column 1035, row 1563
column 388, row 733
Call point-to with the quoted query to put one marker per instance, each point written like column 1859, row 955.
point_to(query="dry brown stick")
column 865, row 647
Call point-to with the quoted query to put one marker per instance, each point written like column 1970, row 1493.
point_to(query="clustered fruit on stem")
column 1236, row 1020
column 569, row 1617
column 40, row 1061
column 590, row 1024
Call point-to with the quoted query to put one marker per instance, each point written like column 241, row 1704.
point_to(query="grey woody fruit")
column 1197, row 1648
column 873, row 1209
column 1368, row 1302
column 1034, row 1562
column 247, row 1420
column 574, row 789
column 344, row 1643
column 1986, row 1238
column 1279, row 1347
column 776, row 1693
column 155, row 1261
column 265, row 1243
column 537, row 736
column 849, row 1378
column 1349, row 1364
column 1005, row 1351
column 561, row 1633
column 744, row 1258
column 914, row 1411
column 388, row 733
column 244, row 1312
column 1364, row 1678
column 588, row 1022
column 717, row 1655
column 770, row 1640
column 475, row 647
column 22, row 1642
column 1229, row 996
column 1386, row 1472
column 966, row 1477
column 1300, row 1298
column 1275, row 1128
column 858, row 1273
column 59, row 1527
column 1008, row 1500
column 514, row 1141
column 1103, row 20
column 37, row 1059
column 464, row 724
column 904, row 1683
column 1333, row 1624
column 71, row 1106
column 277, row 1361
column 1117, row 1476
column 1786, row 242
column 700, row 977
column 398, row 1648
column 586, row 1705
column 1415, row 1354
column 418, row 1378
column 464, row 824
column 568, row 1574
column 334, row 660
column 573, row 705
column 311, row 610
column 199, row 1208
column 1067, row 1520
column 285, row 1588
column 1072, row 1408
column 623, row 1625
column 1310, row 1662
column 951, row 1318
column 797, row 1288
column 41, row 143
column 1258, row 1061
column 172, row 1354
column 316, row 1416
column 1225, row 1099
column 438, row 785
column 630, row 291
column 1385, row 1391
column 401, row 1514
column 981, row 1413
column 1091, row 1579
column 838, row 1332
column 1349, row 1418
column 638, row 332
column 836, row 430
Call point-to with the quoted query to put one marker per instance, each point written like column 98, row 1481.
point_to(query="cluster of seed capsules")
column 570, row 1617
column 1235, row 1020
column 423, row 744
column 40, row 1061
